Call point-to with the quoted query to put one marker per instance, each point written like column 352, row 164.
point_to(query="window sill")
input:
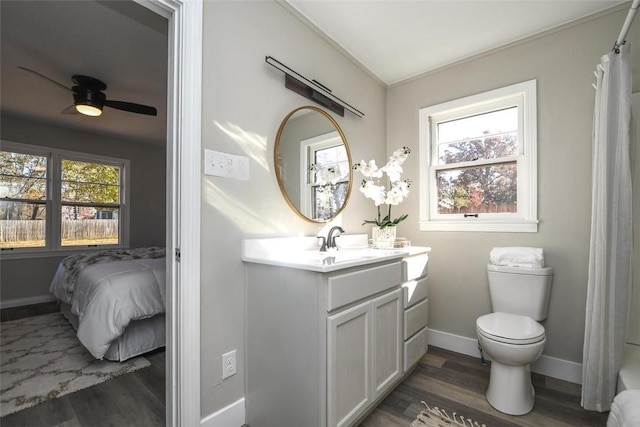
column 481, row 226
column 50, row 253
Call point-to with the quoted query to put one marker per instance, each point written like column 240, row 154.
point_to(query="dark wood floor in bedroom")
column 131, row 400
column 457, row 383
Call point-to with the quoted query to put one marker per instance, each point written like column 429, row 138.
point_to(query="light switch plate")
column 226, row 165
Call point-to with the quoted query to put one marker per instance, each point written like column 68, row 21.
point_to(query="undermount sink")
column 303, row 253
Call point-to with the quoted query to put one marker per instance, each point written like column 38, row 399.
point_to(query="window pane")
column 90, row 182
column 483, row 189
column 22, row 225
column 495, row 122
column 332, row 157
column 22, row 176
column 490, row 147
column 328, row 199
column 89, row 225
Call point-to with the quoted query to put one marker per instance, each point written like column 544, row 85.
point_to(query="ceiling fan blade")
column 131, row 107
column 35, row 73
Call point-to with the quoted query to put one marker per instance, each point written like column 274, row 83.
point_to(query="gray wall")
column 244, row 102
column 22, row 278
column 563, row 63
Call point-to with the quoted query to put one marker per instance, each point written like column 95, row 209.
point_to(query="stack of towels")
column 515, row 256
column 625, row 411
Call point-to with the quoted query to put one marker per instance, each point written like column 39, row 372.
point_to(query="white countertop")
column 303, row 252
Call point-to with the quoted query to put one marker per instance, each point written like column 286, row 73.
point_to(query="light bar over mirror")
column 312, row 89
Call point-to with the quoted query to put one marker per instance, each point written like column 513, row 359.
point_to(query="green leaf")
column 400, row 219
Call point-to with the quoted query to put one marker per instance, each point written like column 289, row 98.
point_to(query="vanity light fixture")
column 312, row 89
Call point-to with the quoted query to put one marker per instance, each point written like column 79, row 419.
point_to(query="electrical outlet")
column 226, row 165
column 228, row 364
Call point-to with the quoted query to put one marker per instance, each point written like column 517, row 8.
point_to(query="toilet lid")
column 510, row 328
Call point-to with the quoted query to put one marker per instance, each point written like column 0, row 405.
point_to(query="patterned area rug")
column 42, row 359
column 435, row 417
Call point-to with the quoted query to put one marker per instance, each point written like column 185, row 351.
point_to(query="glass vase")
column 383, row 238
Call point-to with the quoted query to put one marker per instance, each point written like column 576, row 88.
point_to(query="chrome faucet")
column 331, row 239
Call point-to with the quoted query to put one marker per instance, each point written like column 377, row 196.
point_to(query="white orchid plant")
column 391, row 194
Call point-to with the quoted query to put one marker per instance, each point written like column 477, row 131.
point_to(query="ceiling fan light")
column 88, row 101
column 88, row 110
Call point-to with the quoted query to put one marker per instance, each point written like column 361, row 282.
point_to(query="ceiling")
column 399, row 39
column 125, row 45
column 119, row 42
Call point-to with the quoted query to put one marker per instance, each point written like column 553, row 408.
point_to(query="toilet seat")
column 510, row 328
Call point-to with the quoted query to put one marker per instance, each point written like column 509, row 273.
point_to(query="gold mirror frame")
column 277, row 162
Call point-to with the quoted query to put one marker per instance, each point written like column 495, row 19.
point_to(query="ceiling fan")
column 89, row 98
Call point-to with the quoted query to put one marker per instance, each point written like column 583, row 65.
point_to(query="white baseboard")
column 550, row 366
column 230, row 416
column 19, row 302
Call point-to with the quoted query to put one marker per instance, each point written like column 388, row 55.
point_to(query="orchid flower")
column 398, row 189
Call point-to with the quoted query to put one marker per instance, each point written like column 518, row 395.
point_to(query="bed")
column 115, row 299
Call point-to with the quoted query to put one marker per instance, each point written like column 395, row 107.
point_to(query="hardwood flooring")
column 15, row 313
column 448, row 380
column 457, row 383
column 130, row 400
column 134, row 399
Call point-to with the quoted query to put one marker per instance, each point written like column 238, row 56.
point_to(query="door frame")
column 183, row 207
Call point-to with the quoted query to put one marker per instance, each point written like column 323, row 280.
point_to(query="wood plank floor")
column 448, row 380
column 134, row 399
column 130, row 400
column 457, row 383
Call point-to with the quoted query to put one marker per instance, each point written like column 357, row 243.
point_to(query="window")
column 326, row 176
column 478, row 162
column 54, row 200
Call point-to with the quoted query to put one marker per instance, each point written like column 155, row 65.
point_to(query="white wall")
column 244, row 101
column 25, row 278
column 563, row 64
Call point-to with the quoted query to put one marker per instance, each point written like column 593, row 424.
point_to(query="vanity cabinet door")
column 386, row 366
column 348, row 358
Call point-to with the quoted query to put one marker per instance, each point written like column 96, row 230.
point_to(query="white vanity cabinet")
column 323, row 347
column 416, row 308
column 364, row 349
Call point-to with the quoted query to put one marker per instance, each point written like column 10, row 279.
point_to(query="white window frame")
column 54, row 202
column 308, row 147
column 526, row 218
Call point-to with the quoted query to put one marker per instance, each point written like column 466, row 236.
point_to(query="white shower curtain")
column 611, row 233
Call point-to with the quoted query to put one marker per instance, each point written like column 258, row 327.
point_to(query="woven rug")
column 436, row 417
column 41, row 359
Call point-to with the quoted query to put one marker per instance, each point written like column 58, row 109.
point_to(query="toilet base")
column 510, row 389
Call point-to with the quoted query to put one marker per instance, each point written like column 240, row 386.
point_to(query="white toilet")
column 511, row 336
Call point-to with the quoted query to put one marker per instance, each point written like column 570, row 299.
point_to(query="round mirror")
column 313, row 164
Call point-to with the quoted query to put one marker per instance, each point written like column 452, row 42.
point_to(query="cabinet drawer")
column 415, row 348
column 416, row 318
column 414, row 291
column 414, row 267
column 350, row 287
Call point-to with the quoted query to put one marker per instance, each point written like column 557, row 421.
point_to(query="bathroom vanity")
column 329, row 334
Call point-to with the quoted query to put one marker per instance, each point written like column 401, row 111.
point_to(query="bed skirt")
column 141, row 336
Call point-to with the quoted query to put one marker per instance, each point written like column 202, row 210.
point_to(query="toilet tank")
column 523, row 291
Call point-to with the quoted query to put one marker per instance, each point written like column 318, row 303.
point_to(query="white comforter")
column 108, row 296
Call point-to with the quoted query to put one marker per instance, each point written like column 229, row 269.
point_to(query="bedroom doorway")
column 183, row 207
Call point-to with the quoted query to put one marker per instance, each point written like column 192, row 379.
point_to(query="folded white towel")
column 625, row 411
column 517, row 257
